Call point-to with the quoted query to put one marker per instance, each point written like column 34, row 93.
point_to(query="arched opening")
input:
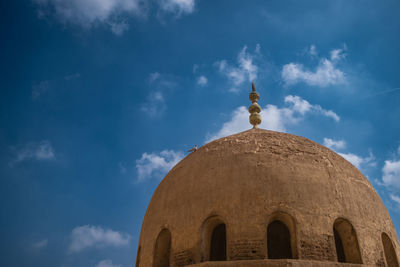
column 218, row 243
column 346, row 243
column 213, row 240
column 278, row 241
column 390, row 253
column 281, row 236
column 162, row 249
column 339, row 247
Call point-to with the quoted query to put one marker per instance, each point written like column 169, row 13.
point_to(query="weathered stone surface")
column 250, row 178
column 276, row 263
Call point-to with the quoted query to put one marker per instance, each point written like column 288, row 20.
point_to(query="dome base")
column 275, row 263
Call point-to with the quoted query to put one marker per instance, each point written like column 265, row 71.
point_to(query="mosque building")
column 263, row 198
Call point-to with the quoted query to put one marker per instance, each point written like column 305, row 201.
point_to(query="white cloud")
column 324, row 75
column 87, row 236
column 245, row 70
column 156, row 164
column 358, row 161
column 178, row 7
column 202, row 81
column 112, row 13
column 273, row 118
column 302, row 106
column 90, row 13
column 334, row 144
column 338, row 54
column 107, row 263
column 34, row 150
column 396, row 199
column 391, row 173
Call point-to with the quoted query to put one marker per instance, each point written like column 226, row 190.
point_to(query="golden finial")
column 254, row 109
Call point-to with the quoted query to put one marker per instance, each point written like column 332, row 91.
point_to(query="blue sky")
column 100, row 98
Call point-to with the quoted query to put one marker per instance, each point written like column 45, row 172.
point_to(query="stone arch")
column 346, row 242
column 281, row 237
column 213, row 239
column 162, row 249
column 390, row 253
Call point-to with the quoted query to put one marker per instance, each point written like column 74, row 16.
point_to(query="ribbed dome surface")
column 249, row 178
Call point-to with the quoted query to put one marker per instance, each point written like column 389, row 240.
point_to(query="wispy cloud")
column 334, row 144
column 302, row 106
column 202, row 81
column 33, row 151
column 160, row 86
column 382, row 92
column 119, row 28
column 312, row 51
column 107, row 263
column 178, row 7
column 109, row 13
column 273, row 118
column 156, row 164
column 39, row 245
column 87, row 236
column 395, row 199
column 244, row 71
column 325, row 74
column 40, row 88
column 391, row 173
column 359, row 161
column 91, row 13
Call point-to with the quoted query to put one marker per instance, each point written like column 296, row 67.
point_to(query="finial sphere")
column 254, row 109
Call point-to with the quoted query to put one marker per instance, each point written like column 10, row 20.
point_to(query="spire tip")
column 254, row 109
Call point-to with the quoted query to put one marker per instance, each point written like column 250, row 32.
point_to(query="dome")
column 260, row 192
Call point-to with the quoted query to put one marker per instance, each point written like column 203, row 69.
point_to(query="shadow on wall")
column 213, row 236
column 162, row 250
column 346, row 242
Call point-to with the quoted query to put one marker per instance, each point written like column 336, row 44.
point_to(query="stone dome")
column 260, row 192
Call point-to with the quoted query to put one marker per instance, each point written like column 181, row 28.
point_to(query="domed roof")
column 248, row 178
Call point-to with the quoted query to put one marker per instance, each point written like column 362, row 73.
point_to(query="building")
column 264, row 198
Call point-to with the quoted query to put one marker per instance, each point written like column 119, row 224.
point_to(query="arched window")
column 347, row 249
column 281, row 237
column 218, row 243
column 339, row 247
column 278, row 241
column 390, row 253
column 162, row 249
column 213, row 240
